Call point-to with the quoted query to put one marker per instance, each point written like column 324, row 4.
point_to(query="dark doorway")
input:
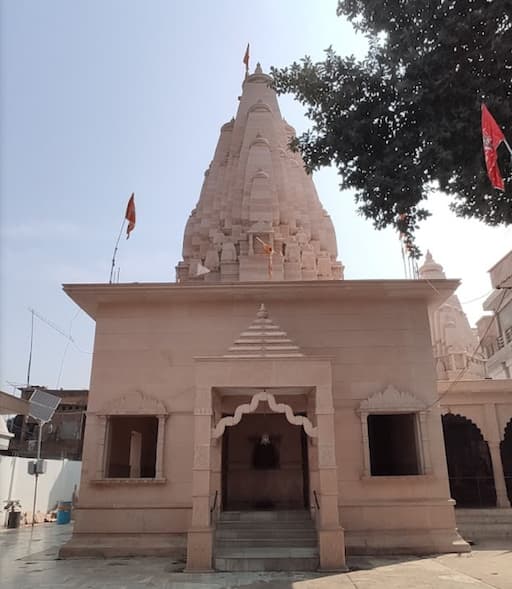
column 264, row 464
column 469, row 463
column 506, row 458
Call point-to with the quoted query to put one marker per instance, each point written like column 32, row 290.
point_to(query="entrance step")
column 266, row 515
column 265, row 541
column 479, row 525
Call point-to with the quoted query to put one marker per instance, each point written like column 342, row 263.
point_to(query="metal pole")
column 30, row 351
column 39, row 440
column 115, row 252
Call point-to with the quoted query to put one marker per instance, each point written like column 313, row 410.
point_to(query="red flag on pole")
column 492, row 136
column 130, row 215
column 246, row 59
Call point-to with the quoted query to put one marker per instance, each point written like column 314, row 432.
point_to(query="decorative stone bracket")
column 241, row 410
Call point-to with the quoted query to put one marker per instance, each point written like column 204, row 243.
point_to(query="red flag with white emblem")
column 492, row 137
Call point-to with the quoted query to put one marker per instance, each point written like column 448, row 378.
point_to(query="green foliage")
column 406, row 119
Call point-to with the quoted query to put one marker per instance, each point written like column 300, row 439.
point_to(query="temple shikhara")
column 263, row 413
column 257, row 195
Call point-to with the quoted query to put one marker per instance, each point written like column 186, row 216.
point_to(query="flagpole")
column 115, row 252
column 508, row 146
column 403, row 255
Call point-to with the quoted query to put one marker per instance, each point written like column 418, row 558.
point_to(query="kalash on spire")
column 258, row 217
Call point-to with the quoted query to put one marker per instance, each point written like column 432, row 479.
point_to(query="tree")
column 406, row 119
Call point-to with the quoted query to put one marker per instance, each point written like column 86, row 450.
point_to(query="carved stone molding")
column 133, row 403
column 241, row 410
column 392, row 399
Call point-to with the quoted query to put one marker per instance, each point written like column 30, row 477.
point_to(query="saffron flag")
column 130, row 215
column 246, row 58
column 269, row 250
column 492, row 136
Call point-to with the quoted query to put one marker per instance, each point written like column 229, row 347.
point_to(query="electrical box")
column 37, row 467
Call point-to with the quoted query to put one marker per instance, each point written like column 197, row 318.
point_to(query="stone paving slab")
column 28, row 560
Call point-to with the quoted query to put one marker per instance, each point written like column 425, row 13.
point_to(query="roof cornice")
column 90, row 297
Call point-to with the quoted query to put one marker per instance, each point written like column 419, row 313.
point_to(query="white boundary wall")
column 56, row 484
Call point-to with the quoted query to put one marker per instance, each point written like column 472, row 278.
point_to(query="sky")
column 102, row 98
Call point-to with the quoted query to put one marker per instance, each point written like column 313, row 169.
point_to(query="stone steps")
column 266, row 516
column 265, row 541
column 478, row 525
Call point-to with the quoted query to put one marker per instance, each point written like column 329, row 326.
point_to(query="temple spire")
column 256, row 192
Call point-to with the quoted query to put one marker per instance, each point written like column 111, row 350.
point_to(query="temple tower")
column 258, row 217
column 454, row 342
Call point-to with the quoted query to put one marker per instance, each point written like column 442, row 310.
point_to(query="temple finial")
column 430, row 268
column 258, row 69
column 262, row 312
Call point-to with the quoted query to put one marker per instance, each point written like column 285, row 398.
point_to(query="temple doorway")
column 506, row 458
column 469, row 463
column 264, row 464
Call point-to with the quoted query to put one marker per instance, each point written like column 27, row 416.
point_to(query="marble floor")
column 28, row 560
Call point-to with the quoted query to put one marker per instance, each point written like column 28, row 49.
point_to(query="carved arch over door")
column 276, row 407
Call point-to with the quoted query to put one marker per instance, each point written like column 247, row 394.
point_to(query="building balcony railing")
column 499, row 343
column 504, row 339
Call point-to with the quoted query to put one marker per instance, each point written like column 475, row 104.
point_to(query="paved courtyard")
column 28, row 560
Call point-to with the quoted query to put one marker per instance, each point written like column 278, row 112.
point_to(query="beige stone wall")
column 148, row 349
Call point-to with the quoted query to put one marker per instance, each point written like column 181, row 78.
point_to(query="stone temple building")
column 476, row 402
column 262, row 412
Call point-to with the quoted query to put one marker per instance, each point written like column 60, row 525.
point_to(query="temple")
column 263, row 413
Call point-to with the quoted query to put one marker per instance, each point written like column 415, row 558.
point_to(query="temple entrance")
column 506, row 458
column 264, row 464
column 469, row 463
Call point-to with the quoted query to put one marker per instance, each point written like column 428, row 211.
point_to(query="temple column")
column 314, row 482
column 160, row 444
column 331, row 539
column 103, row 446
column 499, row 475
column 200, row 534
column 493, row 440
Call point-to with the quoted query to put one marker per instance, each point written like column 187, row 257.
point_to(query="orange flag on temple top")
column 269, row 250
column 130, row 215
column 246, row 58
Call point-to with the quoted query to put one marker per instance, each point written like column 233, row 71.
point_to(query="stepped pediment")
column 263, row 339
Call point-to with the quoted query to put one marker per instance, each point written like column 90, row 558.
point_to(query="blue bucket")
column 64, row 512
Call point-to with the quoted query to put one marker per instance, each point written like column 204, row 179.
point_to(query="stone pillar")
column 160, row 444
column 312, row 447
column 331, row 540
column 425, row 442
column 102, row 448
column 499, row 476
column 200, row 534
column 216, row 475
column 493, row 439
